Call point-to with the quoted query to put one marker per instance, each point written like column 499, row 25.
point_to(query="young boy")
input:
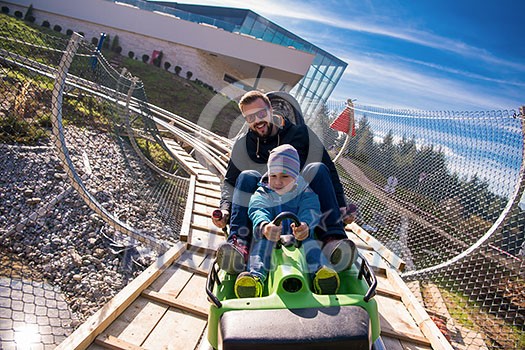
column 285, row 190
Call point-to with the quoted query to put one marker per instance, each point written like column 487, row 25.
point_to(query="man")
column 248, row 163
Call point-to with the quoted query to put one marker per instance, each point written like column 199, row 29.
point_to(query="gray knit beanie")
column 284, row 159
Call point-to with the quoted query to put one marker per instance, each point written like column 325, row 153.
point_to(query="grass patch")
column 14, row 129
column 165, row 89
column 471, row 316
column 182, row 96
column 157, row 155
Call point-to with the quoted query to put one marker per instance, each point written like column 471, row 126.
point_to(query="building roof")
column 324, row 73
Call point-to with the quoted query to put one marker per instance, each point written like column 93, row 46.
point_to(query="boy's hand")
column 300, row 232
column 272, row 232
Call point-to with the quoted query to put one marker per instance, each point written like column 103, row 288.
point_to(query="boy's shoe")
column 248, row 286
column 232, row 256
column 326, row 281
column 342, row 253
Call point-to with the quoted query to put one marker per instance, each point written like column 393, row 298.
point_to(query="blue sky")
column 429, row 54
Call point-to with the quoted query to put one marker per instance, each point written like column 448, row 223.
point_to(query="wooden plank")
column 388, row 293
column 391, row 343
column 192, row 269
column 209, row 178
column 206, row 263
column 397, row 322
column 186, row 221
column 375, row 261
column 203, row 210
column 204, row 223
column 208, row 192
column 172, row 281
column 184, row 159
column 113, row 343
column 95, row 346
column 421, row 317
column 194, row 294
column 396, row 344
column 382, row 281
column 206, row 240
column 137, row 321
column 190, row 164
column 385, row 288
column 203, row 171
column 405, row 337
column 204, row 344
column 176, row 330
column 177, row 303
column 206, row 200
column 396, row 262
column 212, row 187
column 210, row 229
column 192, row 258
column 84, row 335
column 359, row 243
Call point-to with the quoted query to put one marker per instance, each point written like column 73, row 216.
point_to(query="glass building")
column 312, row 91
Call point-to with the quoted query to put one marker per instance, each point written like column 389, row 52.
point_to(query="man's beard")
column 263, row 133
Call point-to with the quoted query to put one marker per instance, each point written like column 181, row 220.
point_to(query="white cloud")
column 399, row 82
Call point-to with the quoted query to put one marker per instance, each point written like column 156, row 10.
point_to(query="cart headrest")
column 286, row 105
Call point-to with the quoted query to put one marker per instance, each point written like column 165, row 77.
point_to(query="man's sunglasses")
column 261, row 114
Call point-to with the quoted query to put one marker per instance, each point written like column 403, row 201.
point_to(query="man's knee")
column 248, row 179
column 315, row 170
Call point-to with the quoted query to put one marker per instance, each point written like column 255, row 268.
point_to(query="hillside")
column 177, row 94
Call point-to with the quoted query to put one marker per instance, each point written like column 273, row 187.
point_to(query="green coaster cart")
column 290, row 315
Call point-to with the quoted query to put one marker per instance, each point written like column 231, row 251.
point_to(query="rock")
column 99, row 252
column 77, row 259
column 65, row 244
column 34, row 201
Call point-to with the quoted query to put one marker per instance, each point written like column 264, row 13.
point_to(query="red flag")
column 344, row 121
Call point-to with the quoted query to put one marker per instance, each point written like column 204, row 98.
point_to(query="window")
column 235, row 82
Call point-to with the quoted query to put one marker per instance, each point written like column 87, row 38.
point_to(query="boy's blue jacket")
column 266, row 204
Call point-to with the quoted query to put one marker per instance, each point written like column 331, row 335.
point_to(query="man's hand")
column 348, row 213
column 220, row 218
column 272, row 232
column 300, row 232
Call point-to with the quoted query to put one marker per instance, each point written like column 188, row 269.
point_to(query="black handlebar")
column 286, row 215
column 370, row 278
column 287, row 240
column 211, row 280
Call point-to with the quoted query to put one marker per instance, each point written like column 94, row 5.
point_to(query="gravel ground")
column 51, row 240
